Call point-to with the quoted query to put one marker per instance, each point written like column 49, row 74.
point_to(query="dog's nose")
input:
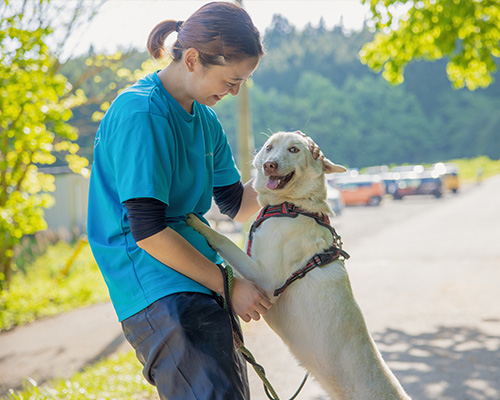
column 270, row 167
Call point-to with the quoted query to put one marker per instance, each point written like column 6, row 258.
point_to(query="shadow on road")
column 458, row 363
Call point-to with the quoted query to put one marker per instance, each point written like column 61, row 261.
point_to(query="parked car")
column 334, row 199
column 418, row 169
column 410, row 184
column 363, row 189
column 448, row 173
column 376, row 170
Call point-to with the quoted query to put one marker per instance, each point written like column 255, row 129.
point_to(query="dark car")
column 410, row 184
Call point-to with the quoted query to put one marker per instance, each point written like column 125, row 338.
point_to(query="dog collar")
column 291, row 211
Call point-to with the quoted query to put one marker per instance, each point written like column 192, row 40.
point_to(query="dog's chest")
column 281, row 245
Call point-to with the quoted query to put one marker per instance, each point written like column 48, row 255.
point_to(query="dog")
column 314, row 310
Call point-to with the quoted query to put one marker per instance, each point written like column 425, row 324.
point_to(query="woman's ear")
column 191, row 58
column 330, row 167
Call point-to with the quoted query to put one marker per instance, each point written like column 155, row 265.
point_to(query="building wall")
column 69, row 212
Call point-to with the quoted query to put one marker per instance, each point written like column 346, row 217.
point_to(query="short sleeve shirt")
column 148, row 146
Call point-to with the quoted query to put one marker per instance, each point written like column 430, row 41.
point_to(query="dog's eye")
column 293, row 149
column 269, row 147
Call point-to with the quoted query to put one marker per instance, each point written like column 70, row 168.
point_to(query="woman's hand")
column 313, row 147
column 248, row 300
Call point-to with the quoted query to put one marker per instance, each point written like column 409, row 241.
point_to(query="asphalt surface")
column 425, row 271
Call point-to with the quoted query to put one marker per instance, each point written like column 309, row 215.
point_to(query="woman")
column 160, row 153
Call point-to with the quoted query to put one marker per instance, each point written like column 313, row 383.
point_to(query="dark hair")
column 218, row 29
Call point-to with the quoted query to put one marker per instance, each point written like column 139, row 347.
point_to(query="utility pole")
column 245, row 136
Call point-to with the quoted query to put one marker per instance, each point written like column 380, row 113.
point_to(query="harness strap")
column 318, row 260
column 291, row 211
column 285, row 210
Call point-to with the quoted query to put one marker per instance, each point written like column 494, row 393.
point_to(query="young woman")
column 160, row 153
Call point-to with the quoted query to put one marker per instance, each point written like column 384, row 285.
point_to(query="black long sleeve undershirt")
column 228, row 198
column 147, row 216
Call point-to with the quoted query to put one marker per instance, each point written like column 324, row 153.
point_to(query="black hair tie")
column 178, row 25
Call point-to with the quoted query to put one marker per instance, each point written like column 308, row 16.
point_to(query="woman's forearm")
column 167, row 246
column 173, row 250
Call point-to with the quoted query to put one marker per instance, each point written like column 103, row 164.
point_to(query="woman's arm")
column 167, row 246
column 249, row 204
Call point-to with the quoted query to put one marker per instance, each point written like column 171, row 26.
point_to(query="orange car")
column 363, row 189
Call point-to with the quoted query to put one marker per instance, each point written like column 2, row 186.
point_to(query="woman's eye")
column 293, row 149
column 269, row 147
column 230, row 84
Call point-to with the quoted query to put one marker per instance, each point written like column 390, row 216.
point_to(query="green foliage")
column 118, row 377
column 313, row 80
column 354, row 115
column 465, row 31
column 289, row 53
column 34, row 110
column 469, row 168
column 31, row 247
column 36, row 103
column 366, row 122
column 103, row 77
column 43, row 291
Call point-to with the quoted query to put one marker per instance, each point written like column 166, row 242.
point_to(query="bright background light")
column 127, row 23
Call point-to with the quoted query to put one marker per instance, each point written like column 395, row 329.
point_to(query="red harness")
column 318, row 260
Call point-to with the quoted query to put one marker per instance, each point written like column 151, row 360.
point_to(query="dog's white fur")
column 317, row 316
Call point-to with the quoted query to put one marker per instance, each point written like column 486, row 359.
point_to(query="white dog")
column 314, row 311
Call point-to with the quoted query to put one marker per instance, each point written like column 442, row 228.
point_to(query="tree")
column 36, row 103
column 34, row 108
column 355, row 116
column 465, row 31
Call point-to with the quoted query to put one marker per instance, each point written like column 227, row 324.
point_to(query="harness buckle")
column 345, row 254
column 290, row 209
column 318, row 259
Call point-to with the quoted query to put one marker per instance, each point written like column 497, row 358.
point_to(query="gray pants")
column 185, row 343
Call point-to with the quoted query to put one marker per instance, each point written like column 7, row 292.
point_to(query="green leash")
column 228, row 275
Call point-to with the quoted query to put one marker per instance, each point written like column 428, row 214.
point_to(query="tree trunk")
column 245, row 137
column 6, row 266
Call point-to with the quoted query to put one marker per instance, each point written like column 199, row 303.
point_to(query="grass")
column 468, row 168
column 42, row 289
column 118, row 377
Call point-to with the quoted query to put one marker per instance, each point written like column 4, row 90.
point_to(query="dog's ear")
column 330, row 167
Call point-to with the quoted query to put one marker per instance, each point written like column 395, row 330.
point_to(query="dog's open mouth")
column 278, row 182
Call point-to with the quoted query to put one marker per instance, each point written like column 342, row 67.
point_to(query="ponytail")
column 156, row 39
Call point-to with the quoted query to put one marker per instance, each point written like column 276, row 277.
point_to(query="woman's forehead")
column 242, row 70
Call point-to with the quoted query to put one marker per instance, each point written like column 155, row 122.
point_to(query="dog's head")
column 287, row 171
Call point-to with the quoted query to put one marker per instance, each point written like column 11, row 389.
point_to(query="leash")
column 227, row 274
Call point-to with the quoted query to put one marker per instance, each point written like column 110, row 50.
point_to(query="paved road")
column 426, row 273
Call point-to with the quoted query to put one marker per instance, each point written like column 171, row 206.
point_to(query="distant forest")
column 312, row 80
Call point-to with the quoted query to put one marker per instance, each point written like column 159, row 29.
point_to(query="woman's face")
column 210, row 85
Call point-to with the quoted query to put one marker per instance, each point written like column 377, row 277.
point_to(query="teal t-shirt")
column 148, row 146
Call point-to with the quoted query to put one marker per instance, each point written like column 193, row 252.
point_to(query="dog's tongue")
column 272, row 182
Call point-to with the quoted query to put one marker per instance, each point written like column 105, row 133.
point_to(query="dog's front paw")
column 194, row 222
